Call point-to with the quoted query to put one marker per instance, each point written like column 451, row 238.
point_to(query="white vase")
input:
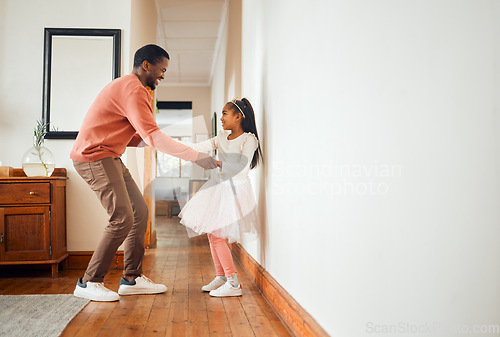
column 38, row 161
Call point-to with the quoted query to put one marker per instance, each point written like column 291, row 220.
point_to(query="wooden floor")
column 184, row 265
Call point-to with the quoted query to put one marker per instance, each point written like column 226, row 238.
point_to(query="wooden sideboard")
column 33, row 219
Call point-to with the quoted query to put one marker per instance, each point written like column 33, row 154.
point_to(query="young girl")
column 225, row 207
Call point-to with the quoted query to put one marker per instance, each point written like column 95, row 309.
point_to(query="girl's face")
column 230, row 119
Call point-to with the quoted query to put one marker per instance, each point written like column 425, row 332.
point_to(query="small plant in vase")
column 38, row 160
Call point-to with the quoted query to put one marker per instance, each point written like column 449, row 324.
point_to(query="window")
column 173, row 167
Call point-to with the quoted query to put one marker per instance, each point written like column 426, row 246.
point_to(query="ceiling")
column 190, row 30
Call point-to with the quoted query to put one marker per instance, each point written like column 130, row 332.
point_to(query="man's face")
column 155, row 72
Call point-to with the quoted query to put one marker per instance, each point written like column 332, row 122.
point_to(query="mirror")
column 78, row 63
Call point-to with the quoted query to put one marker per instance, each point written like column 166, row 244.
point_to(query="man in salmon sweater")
column 122, row 116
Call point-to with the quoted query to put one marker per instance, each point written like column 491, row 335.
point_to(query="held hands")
column 206, row 161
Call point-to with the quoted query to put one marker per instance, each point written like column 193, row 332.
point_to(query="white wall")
column 380, row 130
column 21, row 40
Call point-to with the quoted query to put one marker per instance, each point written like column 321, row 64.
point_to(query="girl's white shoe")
column 216, row 283
column 227, row 290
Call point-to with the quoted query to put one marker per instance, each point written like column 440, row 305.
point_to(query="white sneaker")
column 95, row 291
column 140, row 286
column 227, row 290
column 216, row 283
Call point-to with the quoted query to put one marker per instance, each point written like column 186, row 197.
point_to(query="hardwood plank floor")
column 184, row 265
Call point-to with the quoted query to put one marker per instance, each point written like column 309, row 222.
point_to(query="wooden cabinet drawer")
column 32, row 193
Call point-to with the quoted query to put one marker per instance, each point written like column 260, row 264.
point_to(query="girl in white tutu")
column 225, row 206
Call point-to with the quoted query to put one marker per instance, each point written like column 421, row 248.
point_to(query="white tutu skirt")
column 224, row 208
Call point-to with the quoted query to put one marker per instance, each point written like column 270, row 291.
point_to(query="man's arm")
column 166, row 144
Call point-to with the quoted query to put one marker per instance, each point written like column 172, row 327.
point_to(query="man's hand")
column 205, row 161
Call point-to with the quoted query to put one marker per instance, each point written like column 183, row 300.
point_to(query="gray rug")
column 37, row 315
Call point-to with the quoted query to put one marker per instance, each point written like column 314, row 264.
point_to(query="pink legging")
column 221, row 255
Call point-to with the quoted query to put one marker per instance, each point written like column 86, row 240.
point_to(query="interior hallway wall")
column 21, row 38
column 379, row 123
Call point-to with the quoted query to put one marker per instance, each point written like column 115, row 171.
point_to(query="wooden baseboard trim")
column 13, row 263
column 298, row 321
column 80, row 259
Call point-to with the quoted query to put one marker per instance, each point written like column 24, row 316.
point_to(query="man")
column 121, row 116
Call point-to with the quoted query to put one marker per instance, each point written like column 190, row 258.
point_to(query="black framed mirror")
column 78, row 63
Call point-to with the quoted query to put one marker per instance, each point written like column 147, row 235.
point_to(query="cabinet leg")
column 55, row 270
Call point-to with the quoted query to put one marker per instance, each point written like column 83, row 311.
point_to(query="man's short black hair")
column 151, row 53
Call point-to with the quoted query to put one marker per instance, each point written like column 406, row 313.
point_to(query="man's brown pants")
column 128, row 211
